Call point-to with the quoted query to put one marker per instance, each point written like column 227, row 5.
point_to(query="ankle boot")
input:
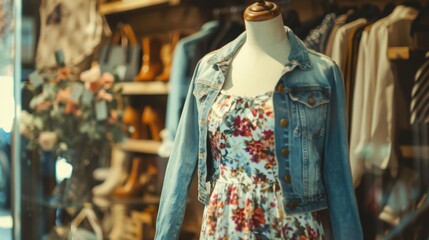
column 152, row 64
column 167, row 57
column 131, row 119
column 132, row 186
column 154, row 119
column 116, row 174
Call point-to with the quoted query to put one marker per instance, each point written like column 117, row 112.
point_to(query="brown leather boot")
column 154, row 119
column 167, row 57
column 132, row 186
column 131, row 119
column 152, row 64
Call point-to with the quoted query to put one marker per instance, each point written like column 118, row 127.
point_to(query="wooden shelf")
column 144, row 88
column 147, row 199
column 409, row 151
column 405, row 53
column 128, row 5
column 141, row 146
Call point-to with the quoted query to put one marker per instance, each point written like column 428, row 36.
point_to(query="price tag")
column 101, row 110
column 36, row 79
column 77, row 90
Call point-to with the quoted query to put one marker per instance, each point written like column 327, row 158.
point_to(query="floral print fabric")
column 246, row 202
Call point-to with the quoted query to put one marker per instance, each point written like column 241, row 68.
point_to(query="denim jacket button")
column 284, row 122
column 287, row 178
column 201, row 155
column 292, row 205
column 311, row 101
column 285, row 152
column 280, row 88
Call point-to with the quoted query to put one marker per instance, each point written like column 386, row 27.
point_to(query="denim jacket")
column 310, row 140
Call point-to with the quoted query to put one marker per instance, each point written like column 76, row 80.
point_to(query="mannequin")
column 266, row 46
column 267, row 160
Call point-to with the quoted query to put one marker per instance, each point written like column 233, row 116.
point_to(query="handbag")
column 122, row 55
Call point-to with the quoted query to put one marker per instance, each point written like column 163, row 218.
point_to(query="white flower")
column 63, row 146
column 92, row 74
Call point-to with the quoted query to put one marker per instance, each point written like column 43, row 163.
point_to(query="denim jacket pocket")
column 311, row 104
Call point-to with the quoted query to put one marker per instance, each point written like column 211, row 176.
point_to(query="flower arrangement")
column 69, row 111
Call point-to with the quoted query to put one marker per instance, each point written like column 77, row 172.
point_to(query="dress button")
column 284, row 122
column 285, row 152
column 280, row 88
column 292, row 205
column 287, row 178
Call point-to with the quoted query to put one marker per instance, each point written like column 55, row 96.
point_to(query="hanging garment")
column 372, row 118
column 420, row 96
column 246, row 200
column 75, row 27
column 341, row 44
column 350, row 71
column 339, row 21
column 383, row 125
column 314, row 39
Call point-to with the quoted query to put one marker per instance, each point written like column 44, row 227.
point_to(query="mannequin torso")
column 257, row 66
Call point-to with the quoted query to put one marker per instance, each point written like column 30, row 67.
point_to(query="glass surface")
column 69, row 130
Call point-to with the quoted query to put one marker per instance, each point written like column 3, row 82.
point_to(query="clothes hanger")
column 421, row 23
column 261, row 11
column 368, row 11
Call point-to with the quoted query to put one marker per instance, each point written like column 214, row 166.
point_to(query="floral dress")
column 246, row 202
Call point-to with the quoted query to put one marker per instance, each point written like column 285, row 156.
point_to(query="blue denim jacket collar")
column 298, row 55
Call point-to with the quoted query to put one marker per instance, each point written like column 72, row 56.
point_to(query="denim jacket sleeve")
column 180, row 169
column 178, row 82
column 342, row 206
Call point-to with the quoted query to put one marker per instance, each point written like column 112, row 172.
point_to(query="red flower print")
column 260, row 178
column 258, row 218
column 312, row 233
column 254, row 112
column 241, row 127
column 214, row 141
column 239, row 219
column 268, row 134
column 257, row 149
column 232, row 195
